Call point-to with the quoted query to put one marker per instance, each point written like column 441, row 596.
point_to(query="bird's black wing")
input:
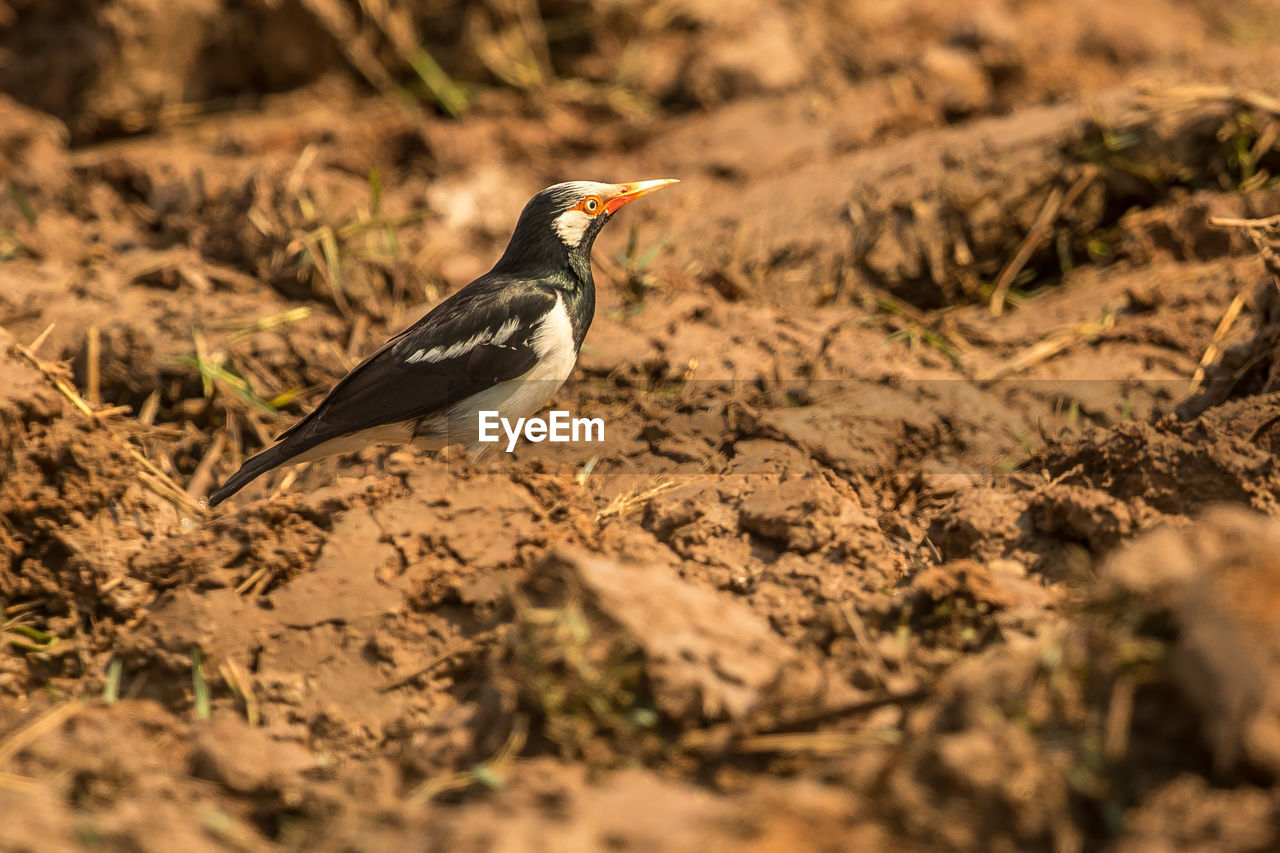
column 480, row 336
column 456, row 350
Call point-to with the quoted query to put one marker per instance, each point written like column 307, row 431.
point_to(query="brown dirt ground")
column 861, row 565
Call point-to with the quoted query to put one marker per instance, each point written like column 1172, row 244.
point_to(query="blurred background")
column 465, row 109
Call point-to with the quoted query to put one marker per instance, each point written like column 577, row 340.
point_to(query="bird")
column 506, row 342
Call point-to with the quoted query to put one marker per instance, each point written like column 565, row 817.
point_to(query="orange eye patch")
column 591, row 205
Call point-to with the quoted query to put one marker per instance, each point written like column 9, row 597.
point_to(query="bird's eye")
column 591, row 205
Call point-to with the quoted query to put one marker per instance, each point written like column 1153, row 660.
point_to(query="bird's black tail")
column 251, row 470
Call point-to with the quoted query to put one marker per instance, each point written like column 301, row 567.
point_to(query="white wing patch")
column 505, row 331
column 488, row 336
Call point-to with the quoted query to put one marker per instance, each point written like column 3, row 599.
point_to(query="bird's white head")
column 582, row 204
column 565, row 218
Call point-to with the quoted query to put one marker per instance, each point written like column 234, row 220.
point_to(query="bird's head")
column 564, row 219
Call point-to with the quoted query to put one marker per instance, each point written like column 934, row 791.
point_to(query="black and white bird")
column 506, row 342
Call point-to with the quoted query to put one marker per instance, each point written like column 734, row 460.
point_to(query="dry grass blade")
column 1262, row 427
column 242, row 329
column 1054, row 206
column 51, row 720
column 40, row 339
column 259, row 579
column 355, row 341
column 201, row 359
column 1265, row 235
column 1038, row 233
column 20, row 784
column 483, row 772
column 290, row 477
column 226, row 372
column 623, row 504
column 203, row 475
column 816, row 743
column 306, row 160
column 1054, row 343
column 320, row 247
column 1214, row 351
column 450, row 651
column 170, row 492
column 1115, row 741
column 242, row 687
column 1175, row 98
column 333, row 253
column 153, row 478
column 64, row 387
column 1267, row 223
column 367, row 222
column 150, row 408
column 93, row 367
column 773, row 734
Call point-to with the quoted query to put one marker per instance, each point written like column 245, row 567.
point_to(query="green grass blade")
column 448, row 94
column 199, row 687
column 375, row 192
column 111, row 690
column 238, row 386
column 24, row 204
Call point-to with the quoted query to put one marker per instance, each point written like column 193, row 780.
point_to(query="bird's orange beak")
column 632, row 191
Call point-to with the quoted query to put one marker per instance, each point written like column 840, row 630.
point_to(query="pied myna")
column 506, row 342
